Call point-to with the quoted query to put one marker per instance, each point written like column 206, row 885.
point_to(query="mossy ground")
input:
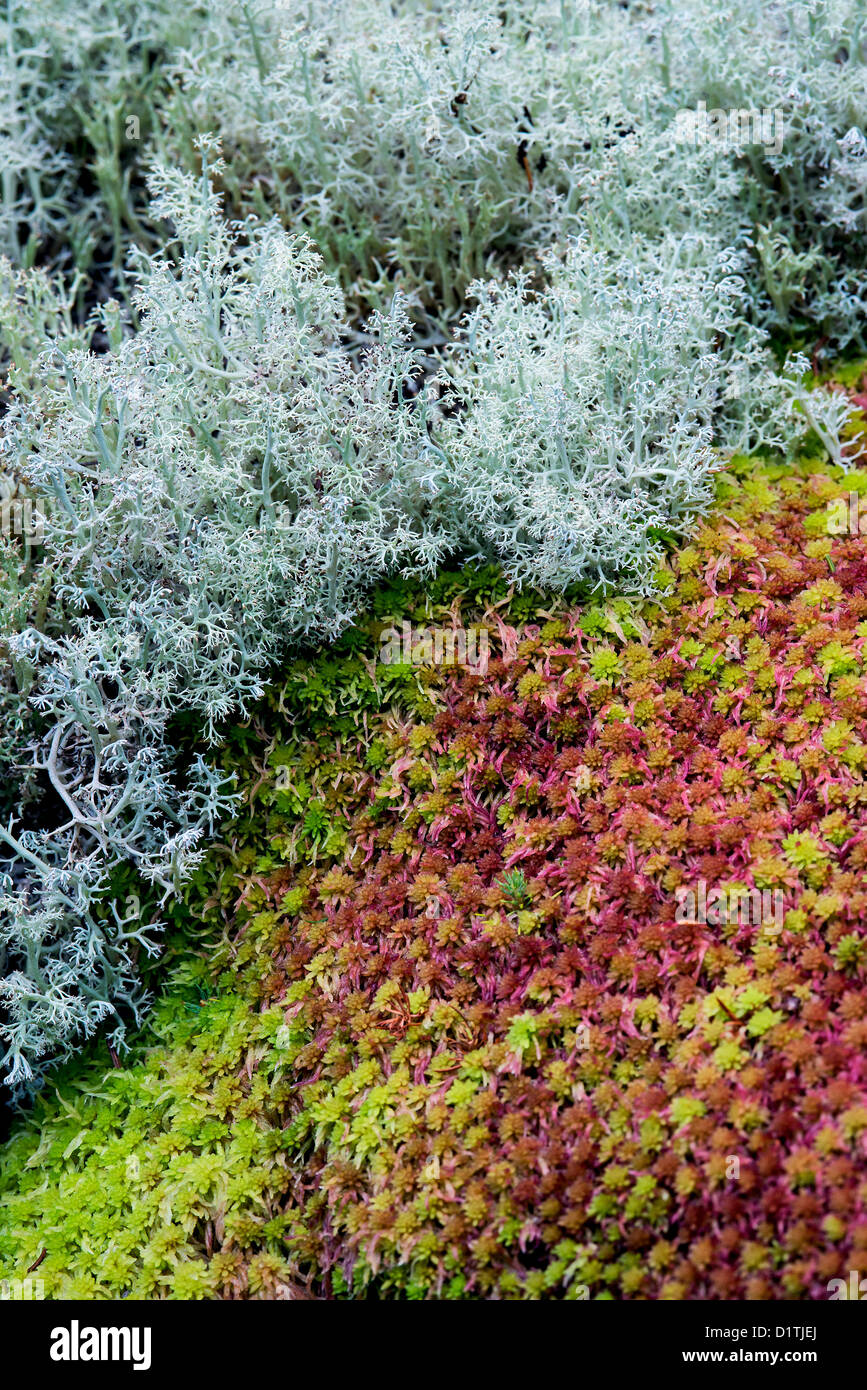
column 444, row 1032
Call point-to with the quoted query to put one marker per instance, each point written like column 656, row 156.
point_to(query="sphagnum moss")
column 480, row 1050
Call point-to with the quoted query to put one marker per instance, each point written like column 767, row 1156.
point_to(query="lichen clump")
column 296, row 301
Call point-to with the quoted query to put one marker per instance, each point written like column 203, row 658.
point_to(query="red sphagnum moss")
column 516, row 1068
